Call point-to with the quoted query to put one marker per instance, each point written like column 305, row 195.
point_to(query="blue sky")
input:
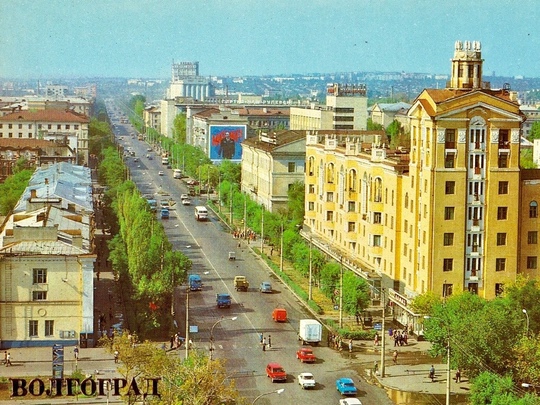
column 140, row 38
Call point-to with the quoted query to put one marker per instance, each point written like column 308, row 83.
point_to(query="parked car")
column 345, row 386
column 306, row 380
column 350, row 401
column 149, row 149
column 305, row 355
column 161, row 173
column 275, row 372
column 265, row 287
column 184, row 196
column 186, row 201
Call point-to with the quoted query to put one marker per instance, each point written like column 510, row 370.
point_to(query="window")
column 376, row 240
column 351, row 226
column 49, row 126
column 450, row 187
column 450, row 161
column 532, row 262
column 503, row 160
column 500, row 264
column 39, row 295
column 49, row 328
column 448, row 264
column 67, row 126
column 450, row 138
column 532, row 237
column 377, row 217
column 59, row 126
column 40, row 276
column 499, row 289
column 502, row 213
column 533, row 209
column 447, row 290
column 311, row 206
column 448, row 213
column 330, row 197
column 352, row 206
column 292, row 167
column 503, row 187
column 33, row 328
column 311, row 188
column 448, row 239
column 501, row 239
column 329, row 215
column 76, row 127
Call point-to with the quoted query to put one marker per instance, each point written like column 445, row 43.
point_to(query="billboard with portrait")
column 225, row 141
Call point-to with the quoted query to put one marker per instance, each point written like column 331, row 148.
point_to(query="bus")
column 201, row 213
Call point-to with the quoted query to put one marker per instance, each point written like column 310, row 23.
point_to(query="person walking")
column 432, row 373
column 8, row 359
column 458, row 375
column 394, row 356
column 269, row 341
column 5, row 357
column 350, row 345
column 76, row 353
column 116, row 356
column 376, row 339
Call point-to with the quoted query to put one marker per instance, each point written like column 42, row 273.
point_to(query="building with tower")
column 186, row 82
column 454, row 213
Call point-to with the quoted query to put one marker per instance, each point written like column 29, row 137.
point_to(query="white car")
column 186, row 201
column 306, row 380
column 161, row 173
column 350, row 401
column 184, row 197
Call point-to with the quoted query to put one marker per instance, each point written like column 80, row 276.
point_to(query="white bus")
column 201, row 213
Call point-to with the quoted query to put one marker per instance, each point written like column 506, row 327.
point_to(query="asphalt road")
column 207, row 244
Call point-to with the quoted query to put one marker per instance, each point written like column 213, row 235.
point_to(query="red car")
column 275, row 372
column 305, row 355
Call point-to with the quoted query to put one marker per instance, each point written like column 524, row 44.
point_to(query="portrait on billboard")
column 225, row 141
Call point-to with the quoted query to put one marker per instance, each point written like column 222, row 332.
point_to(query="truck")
column 223, row 300
column 195, row 282
column 241, row 283
column 310, row 331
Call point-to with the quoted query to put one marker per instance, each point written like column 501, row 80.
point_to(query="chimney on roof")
column 33, row 193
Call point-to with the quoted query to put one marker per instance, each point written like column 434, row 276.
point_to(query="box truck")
column 310, row 331
column 195, row 282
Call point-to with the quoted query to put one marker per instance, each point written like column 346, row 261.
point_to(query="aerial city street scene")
column 268, row 202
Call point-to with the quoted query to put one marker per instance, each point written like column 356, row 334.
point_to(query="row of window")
column 500, row 263
column 33, row 328
column 40, row 126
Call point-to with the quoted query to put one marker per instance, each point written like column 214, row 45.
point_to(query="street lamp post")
column 447, row 363
column 281, row 250
column 268, row 393
column 262, row 228
column 341, row 292
column 383, row 333
column 527, row 316
column 310, row 287
column 212, row 334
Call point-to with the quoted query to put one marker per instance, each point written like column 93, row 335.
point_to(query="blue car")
column 345, row 386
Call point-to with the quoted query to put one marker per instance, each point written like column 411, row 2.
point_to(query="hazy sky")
column 140, row 38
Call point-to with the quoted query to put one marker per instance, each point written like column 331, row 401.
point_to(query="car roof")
column 274, row 365
column 310, row 374
column 345, row 380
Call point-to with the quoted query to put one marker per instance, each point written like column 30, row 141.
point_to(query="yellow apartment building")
column 453, row 213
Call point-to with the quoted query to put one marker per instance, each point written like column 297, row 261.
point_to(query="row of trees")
column 495, row 342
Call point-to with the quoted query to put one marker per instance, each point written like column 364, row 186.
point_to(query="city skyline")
column 64, row 39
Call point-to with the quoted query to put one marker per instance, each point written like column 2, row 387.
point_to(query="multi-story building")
column 186, row 82
column 346, row 108
column 152, row 117
column 62, row 126
column 532, row 114
column 455, row 213
column 271, row 163
column 47, row 262
column 385, row 113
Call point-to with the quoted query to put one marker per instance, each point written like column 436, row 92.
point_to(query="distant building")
column 52, row 90
column 271, row 163
column 346, row 108
column 385, row 113
column 186, row 82
column 152, row 117
column 532, row 114
column 63, row 127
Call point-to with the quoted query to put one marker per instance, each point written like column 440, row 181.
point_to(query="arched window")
column 330, row 173
column 533, row 209
column 377, row 197
column 352, row 180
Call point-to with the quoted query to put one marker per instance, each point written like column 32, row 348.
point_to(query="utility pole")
column 341, row 292
column 281, row 250
column 245, row 213
column 231, row 213
column 187, row 323
column 262, row 228
column 448, row 372
column 310, row 287
column 383, row 333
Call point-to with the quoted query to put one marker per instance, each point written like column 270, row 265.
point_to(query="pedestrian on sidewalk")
column 458, row 375
column 5, row 357
column 8, row 359
column 76, row 353
column 264, row 346
column 432, row 373
column 394, row 356
column 116, row 356
column 269, row 341
column 376, row 339
column 350, row 345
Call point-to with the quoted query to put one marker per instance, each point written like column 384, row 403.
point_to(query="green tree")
column 393, row 130
column 179, row 128
column 535, row 131
column 525, row 294
column 526, row 360
column 136, row 104
column 372, row 126
column 493, row 389
column 424, row 303
column 356, row 293
column 11, row 190
column 526, row 160
column 296, row 209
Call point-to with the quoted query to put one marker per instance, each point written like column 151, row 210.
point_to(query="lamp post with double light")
column 212, row 334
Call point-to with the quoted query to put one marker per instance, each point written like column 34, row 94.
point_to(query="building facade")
column 456, row 213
